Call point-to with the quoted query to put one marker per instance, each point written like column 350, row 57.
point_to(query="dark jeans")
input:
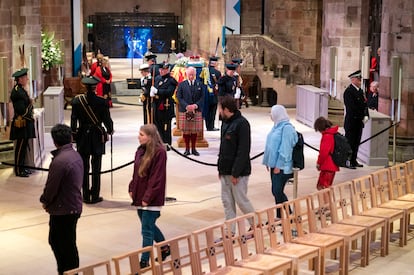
column 62, row 239
column 149, row 230
column 278, row 186
column 94, row 189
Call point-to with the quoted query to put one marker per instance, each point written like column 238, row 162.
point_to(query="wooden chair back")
column 103, row 267
column 410, row 175
column 400, row 184
column 182, row 259
column 342, row 201
column 321, row 206
column 381, row 180
column 270, row 225
column 364, row 194
column 129, row 263
column 211, row 244
column 299, row 219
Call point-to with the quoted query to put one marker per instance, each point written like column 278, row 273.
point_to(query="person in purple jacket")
column 62, row 198
column 147, row 187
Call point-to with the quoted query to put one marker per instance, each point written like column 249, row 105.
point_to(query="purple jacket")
column 62, row 193
column 150, row 188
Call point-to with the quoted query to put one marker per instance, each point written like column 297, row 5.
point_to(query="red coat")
column 99, row 86
column 326, row 149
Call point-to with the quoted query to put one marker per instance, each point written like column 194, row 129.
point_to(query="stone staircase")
column 6, row 149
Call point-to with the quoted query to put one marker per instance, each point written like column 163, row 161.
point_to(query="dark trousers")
column 146, row 106
column 20, row 154
column 211, row 116
column 91, row 191
column 62, row 239
column 149, row 230
column 164, row 128
column 354, row 134
column 278, row 187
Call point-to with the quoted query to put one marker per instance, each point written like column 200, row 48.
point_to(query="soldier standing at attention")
column 213, row 97
column 88, row 113
column 146, row 82
column 22, row 126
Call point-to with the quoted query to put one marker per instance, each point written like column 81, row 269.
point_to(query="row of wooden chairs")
column 321, row 232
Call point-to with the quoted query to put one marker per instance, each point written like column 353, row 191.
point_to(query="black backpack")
column 297, row 154
column 342, row 151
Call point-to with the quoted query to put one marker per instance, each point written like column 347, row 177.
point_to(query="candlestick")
column 173, row 44
column 149, row 43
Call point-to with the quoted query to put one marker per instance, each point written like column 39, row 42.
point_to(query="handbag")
column 93, row 118
column 189, row 116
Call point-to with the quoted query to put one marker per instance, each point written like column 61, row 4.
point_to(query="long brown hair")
column 154, row 142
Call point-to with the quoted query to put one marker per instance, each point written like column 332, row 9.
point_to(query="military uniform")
column 89, row 136
column 227, row 84
column 164, row 104
column 146, row 83
column 215, row 75
column 22, row 126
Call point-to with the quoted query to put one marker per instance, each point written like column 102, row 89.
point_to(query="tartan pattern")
column 190, row 126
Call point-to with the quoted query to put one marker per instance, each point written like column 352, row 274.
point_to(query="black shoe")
column 194, row 152
column 22, row 175
column 165, row 252
column 351, row 167
column 215, row 129
column 28, row 171
column 356, row 164
column 96, row 200
column 187, row 152
column 87, row 201
column 143, row 264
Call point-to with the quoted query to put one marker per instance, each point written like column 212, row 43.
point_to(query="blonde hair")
column 154, row 142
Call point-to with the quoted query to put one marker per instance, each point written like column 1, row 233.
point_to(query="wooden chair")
column 97, row 268
column 244, row 252
column 271, row 227
column 181, row 260
column 210, row 252
column 382, row 184
column 133, row 259
column 401, row 182
column 301, row 228
column 365, row 204
column 410, row 175
column 342, row 205
column 327, row 223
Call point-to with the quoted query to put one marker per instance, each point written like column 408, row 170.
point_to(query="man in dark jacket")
column 88, row 113
column 234, row 165
column 22, row 126
column 213, row 97
column 62, row 198
column 355, row 116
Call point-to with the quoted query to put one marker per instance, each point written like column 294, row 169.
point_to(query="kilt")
column 190, row 126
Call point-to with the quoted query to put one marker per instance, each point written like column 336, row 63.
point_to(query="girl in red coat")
column 147, row 187
column 325, row 164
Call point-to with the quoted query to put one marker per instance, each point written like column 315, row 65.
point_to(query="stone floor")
column 112, row 227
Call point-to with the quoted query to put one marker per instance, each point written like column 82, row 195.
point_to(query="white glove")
column 153, row 91
column 365, row 120
column 238, row 93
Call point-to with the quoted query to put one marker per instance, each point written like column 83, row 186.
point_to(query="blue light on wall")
column 136, row 41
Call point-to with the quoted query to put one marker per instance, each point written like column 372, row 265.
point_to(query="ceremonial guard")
column 162, row 93
column 190, row 95
column 22, row 126
column 152, row 63
column 213, row 96
column 239, row 94
column 146, row 83
column 227, row 84
column 88, row 113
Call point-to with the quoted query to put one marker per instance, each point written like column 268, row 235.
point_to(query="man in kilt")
column 190, row 95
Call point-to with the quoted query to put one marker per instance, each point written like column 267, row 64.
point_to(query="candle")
column 173, row 44
column 149, row 43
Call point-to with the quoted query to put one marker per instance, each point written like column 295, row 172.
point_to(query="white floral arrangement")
column 52, row 54
column 182, row 61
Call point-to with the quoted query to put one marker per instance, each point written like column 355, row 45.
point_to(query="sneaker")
column 165, row 252
column 143, row 264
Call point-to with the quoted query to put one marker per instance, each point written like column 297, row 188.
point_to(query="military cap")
column 21, row 72
column 237, row 61
column 214, row 58
column 231, row 66
column 164, row 65
column 356, row 74
column 144, row 66
column 150, row 56
column 90, row 80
